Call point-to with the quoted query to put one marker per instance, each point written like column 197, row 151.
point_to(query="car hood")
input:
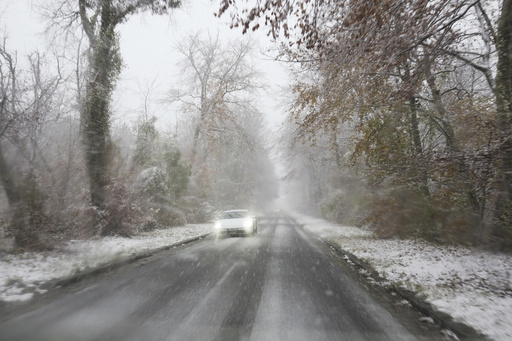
column 231, row 223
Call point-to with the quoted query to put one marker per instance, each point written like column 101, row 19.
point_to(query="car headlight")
column 217, row 225
column 247, row 224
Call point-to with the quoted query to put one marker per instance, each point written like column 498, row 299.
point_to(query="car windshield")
column 235, row 214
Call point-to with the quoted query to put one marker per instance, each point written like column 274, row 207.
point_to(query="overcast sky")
column 149, row 55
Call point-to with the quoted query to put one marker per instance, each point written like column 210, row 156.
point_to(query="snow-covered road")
column 472, row 286
column 282, row 284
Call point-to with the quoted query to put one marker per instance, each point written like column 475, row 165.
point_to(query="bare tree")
column 28, row 103
column 228, row 155
column 8, row 117
column 218, row 78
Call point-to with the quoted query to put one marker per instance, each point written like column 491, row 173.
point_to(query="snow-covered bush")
column 124, row 213
column 151, row 183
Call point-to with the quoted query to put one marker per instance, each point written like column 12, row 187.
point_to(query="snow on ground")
column 474, row 287
column 23, row 275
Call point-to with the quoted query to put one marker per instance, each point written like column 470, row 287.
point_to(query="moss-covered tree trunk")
column 104, row 68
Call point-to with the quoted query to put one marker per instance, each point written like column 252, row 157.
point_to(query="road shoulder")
column 334, row 238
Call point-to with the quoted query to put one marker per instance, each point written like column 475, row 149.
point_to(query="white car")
column 236, row 222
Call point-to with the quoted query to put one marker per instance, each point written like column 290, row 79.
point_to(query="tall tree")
column 218, row 77
column 99, row 20
column 503, row 215
column 28, row 102
column 228, row 156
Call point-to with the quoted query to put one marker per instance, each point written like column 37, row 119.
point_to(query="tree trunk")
column 431, row 228
column 417, row 142
column 8, row 183
column 104, row 69
column 197, row 132
column 205, row 110
column 415, row 132
column 446, row 129
column 22, row 224
column 18, row 223
column 503, row 211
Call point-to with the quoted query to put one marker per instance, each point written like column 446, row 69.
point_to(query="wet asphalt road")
column 277, row 285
